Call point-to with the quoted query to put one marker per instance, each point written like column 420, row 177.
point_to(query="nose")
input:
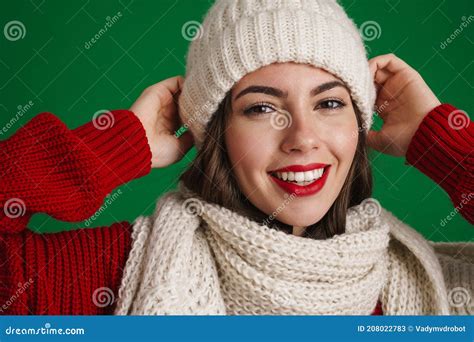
column 303, row 134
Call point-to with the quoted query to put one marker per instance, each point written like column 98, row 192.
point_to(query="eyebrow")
column 284, row 94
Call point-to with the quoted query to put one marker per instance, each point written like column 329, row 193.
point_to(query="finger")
column 374, row 140
column 166, row 90
column 390, row 62
column 372, row 67
column 172, row 84
column 381, row 76
column 384, row 66
column 381, row 111
column 180, row 82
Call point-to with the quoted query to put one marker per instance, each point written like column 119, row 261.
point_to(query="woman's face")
column 291, row 115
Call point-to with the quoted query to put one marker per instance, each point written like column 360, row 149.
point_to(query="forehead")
column 285, row 75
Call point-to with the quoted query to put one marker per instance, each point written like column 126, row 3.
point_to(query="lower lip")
column 303, row 190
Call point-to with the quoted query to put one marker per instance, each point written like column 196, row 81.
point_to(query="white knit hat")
column 241, row 36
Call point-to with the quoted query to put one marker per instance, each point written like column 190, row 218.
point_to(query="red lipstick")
column 301, row 168
column 302, row 190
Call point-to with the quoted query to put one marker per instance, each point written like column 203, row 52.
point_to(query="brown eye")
column 331, row 104
column 259, row 109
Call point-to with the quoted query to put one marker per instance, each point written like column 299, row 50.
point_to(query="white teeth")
column 309, row 175
column 291, row 176
column 300, row 177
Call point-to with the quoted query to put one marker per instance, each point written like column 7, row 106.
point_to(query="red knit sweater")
column 45, row 167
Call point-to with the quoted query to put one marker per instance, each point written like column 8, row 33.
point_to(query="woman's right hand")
column 157, row 110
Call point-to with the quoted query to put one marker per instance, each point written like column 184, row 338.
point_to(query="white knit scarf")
column 192, row 257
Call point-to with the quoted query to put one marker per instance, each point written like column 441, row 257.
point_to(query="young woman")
column 275, row 215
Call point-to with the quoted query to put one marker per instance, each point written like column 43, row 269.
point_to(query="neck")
column 298, row 231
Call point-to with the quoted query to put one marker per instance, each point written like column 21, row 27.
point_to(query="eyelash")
column 249, row 110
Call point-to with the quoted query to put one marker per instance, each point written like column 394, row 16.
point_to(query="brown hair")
column 210, row 176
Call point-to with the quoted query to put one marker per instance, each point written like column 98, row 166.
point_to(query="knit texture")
column 195, row 257
column 446, row 155
column 67, row 268
column 66, row 173
column 241, row 36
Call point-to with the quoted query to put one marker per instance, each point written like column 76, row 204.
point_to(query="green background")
column 52, row 68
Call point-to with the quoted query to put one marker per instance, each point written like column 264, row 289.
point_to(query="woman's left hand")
column 403, row 100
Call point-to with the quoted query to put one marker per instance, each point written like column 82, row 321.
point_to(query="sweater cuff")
column 118, row 139
column 442, row 148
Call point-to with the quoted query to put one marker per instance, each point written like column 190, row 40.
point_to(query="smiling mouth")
column 300, row 178
column 301, row 183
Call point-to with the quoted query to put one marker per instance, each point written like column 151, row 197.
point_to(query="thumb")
column 375, row 140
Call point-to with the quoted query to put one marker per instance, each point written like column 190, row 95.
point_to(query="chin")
column 302, row 222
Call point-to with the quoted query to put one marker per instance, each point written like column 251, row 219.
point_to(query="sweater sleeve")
column 442, row 148
column 65, row 173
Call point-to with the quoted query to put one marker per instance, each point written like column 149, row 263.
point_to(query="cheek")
column 344, row 142
column 248, row 148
